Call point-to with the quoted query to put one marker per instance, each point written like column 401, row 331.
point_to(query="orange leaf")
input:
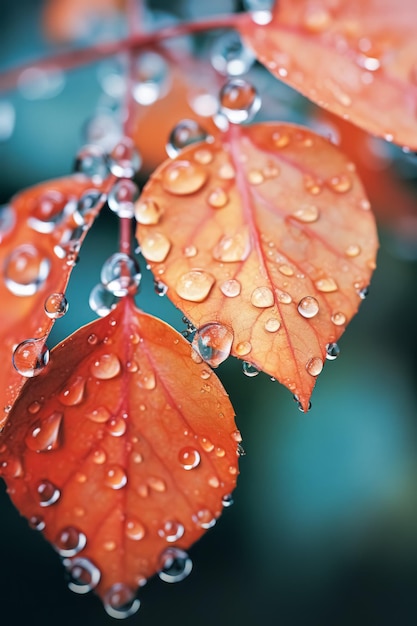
column 265, row 241
column 356, row 58
column 125, row 449
column 40, row 233
column 66, row 20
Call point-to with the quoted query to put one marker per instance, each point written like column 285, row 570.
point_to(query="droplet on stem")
column 120, row 274
column 239, row 101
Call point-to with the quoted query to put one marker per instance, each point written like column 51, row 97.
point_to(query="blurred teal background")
column 323, row 531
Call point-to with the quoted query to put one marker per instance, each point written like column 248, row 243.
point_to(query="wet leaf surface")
column 125, row 449
column 40, row 234
column 356, row 58
column 265, row 241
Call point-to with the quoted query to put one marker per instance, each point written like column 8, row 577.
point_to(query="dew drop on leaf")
column 155, row 247
column 308, row 307
column 272, row 325
column 231, row 288
column 332, row 351
column 120, row 601
column 239, row 101
column 31, row 357
column 25, row 270
column 84, row 576
column 182, row 178
column 175, row 565
column 134, row 529
column 48, row 493
column 106, row 366
column 262, row 297
column 115, row 477
column 213, row 342
column 171, row 531
column 45, row 436
column 194, row 285
column 147, row 212
column 184, row 134
column 56, row 305
column 70, row 541
column 326, row 285
column 189, row 458
column 314, row 366
column 217, row 198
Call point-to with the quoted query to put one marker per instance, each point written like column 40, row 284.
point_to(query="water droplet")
column 218, row 198
column 231, row 288
column 308, row 307
column 89, row 201
column 261, row 10
column 56, row 305
column 175, row 565
column 73, row 393
column 312, row 185
column 300, row 406
column 353, row 250
column 229, row 56
column 70, row 541
column 243, row 348
column 316, row 19
column 184, row 134
column 226, row 171
column 116, row 426
column 171, row 531
column 44, row 435
column 281, row 140
column 189, row 458
column 227, row 500
column 326, row 285
column 332, row 351
column 206, row 444
column 286, row 270
column 91, row 161
column 124, row 160
column 48, row 493
column 314, row 366
column 122, row 198
column 31, row 357
column 195, row 285
column 307, row 213
column 204, row 518
column 339, row 319
column 272, row 325
column 34, row 407
column 100, row 415
column 120, row 601
column 150, row 78
column 134, row 529
column 147, row 211
column 340, row 184
column 157, row 484
column 48, row 211
column 283, row 297
column 230, row 249
column 106, row 366
column 363, row 293
column 115, row 477
column 262, row 297
column 37, row 523
column 99, row 456
column 102, row 301
column 182, row 178
column 204, row 156
column 155, row 247
column 239, row 101
column 84, row 576
column 120, row 274
column 25, row 270
column 213, row 342
column 160, row 288
column 249, row 370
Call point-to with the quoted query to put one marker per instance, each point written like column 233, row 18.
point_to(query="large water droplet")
column 70, row 541
column 227, row 500
column 189, row 458
column 307, row 213
column 124, row 160
column 249, row 369
column 134, row 529
column 243, row 348
column 25, row 270
column 213, row 342
column 150, row 78
column 31, row 357
column 120, row 601
column 115, row 477
column 175, row 565
column 44, row 436
column 232, row 248
column 308, row 307
column 56, row 305
column 182, row 178
column 204, row 518
column 184, row 134
column 272, row 325
column 332, row 351
column 230, row 56
column 171, row 531
column 48, row 493
column 89, row 201
column 194, row 285
column 100, row 415
column 106, row 366
column 48, row 211
column 231, row 288
column 120, row 274
column 102, row 301
column 91, row 161
column 84, row 575
column 239, row 101
column 155, row 247
column 73, row 393
column 122, row 198
column 262, row 297
column 117, row 426
column 314, row 366
column 326, row 285
column 147, row 212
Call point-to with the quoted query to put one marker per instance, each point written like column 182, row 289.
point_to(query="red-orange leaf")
column 354, row 57
column 40, row 234
column 124, row 449
column 266, row 236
